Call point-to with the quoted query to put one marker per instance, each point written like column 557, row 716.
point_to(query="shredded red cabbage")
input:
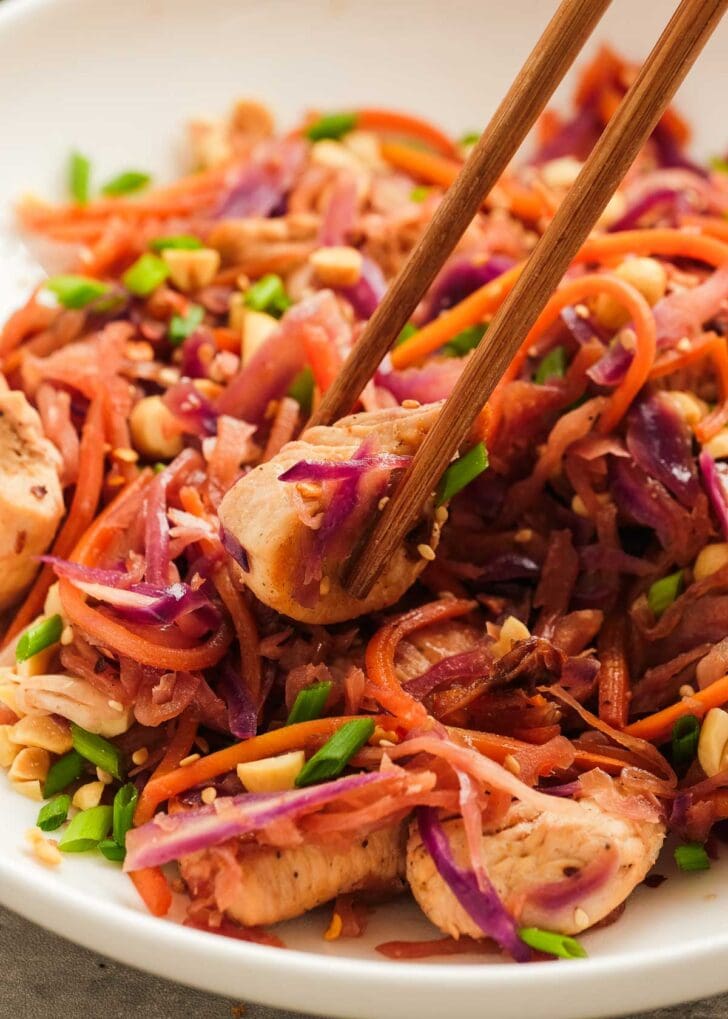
column 470, row 664
column 194, row 362
column 194, row 411
column 307, row 470
column 661, row 444
column 242, row 712
column 234, row 549
column 654, row 200
column 611, row 369
column 715, row 480
column 364, row 296
column 460, row 278
column 260, row 186
column 430, row 383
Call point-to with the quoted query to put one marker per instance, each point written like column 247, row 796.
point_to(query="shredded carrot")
column 614, row 678
column 227, row 339
column 154, row 889
column 80, row 515
column 323, row 358
column 474, row 309
column 710, row 225
column 717, row 418
column 609, row 100
column 390, row 121
column 658, row 727
column 603, row 69
column 548, row 126
column 666, row 241
column 675, row 359
column 31, row 318
column 180, row 744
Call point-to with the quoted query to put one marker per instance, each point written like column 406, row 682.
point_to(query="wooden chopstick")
column 534, row 85
column 630, row 127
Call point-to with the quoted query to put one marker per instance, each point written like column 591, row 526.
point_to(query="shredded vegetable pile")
column 532, row 695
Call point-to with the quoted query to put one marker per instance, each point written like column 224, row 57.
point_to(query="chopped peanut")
column 717, row 447
column 53, row 605
column 710, row 559
column 257, row 326
column 337, row 266
column 645, row 274
column 37, row 665
column 45, row 851
column 88, row 795
column 191, row 269
column 42, row 731
column 713, row 742
column 153, row 429
column 8, row 750
column 688, row 406
column 511, row 631
column 252, row 118
column 272, row 774
column 30, row 764
column 9, row 694
column 31, row 789
column 561, row 173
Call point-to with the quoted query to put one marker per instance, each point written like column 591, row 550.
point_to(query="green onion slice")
column 409, row 329
column 79, row 177
column 124, row 806
column 184, row 242
column 553, row 365
column 692, row 856
column 126, row 183
column 145, row 275
column 469, row 139
column 719, row 163
column 336, row 752
column 664, row 592
column 685, row 735
column 86, row 830
column 553, row 944
column 75, row 291
column 53, row 814
column 460, row 473
column 112, row 850
column 465, row 341
column 38, row 637
column 331, row 125
column 97, row 750
column 309, row 703
column 182, row 326
column 62, row 773
column 268, row 294
column 301, row 389
column 419, row 194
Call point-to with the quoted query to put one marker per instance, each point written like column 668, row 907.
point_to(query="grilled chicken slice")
column 261, row 885
column 548, row 871
column 31, row 499
column 265, row 516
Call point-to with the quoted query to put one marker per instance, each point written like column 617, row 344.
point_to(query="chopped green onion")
column 419, row 193
column 53, row 814
column 331, row 125
column 309, row 703
column 409, row 329
column 268, row 294
column 719, row 163
column 145, row 275
column 62, row 772
column 184, row 242
column 465, row 341
column 75, row 291
column 336, row 752
column 79, row 177
column 462, row 472
column 112, row 850
column 86, row 830
column 126, row 183
column 470, row 138
column 685, row 735
column 692, row 856
column 301, row 389
column 664, row 592
column 553, row 365
column 97, row 750
column 553, row 944
column 182, row 326
column 125, row 803
column 38, row 637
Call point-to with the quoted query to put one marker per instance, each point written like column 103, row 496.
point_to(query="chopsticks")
column 678, row 47
column 535, row 83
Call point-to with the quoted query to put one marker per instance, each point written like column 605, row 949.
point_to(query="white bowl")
column 118, row 80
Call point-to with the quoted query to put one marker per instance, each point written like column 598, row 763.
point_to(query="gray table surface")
column 42, row 975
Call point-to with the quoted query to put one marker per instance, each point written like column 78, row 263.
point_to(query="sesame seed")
column 325, row 585
column 104, row 776
column 683, row 344
column 202, row 744
column 382, row 502
column 524, row 535
column 511, row 764
column 208, row 795
column 411, row 404
column 140, row 756
column 426, row 551
column 189, row 760
column 441, row 515
column 686, row 690
column 67, row 636
column 168, row 376
column 581, row 919
column 125, row 455
column 581, row 310
column 116, row 705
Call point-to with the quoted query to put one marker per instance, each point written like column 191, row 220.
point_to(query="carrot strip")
column 717, row 418
column 658, row 727
column 614, row 679
column 322, row 356
column 29, row 319
column 710, row 225
column 474, row 309
column 376, row 119
column 80, row 515
column 180, row 744
column 605, row 67
column 380, row 652
column 674, row 360
column 666, row 241
column 154, row 890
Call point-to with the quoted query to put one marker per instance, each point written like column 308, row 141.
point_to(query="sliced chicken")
column 31, row 499
column 261, row 885
column 549, row 872
column 267, row 517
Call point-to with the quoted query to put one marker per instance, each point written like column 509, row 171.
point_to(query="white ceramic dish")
column 118, row 80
